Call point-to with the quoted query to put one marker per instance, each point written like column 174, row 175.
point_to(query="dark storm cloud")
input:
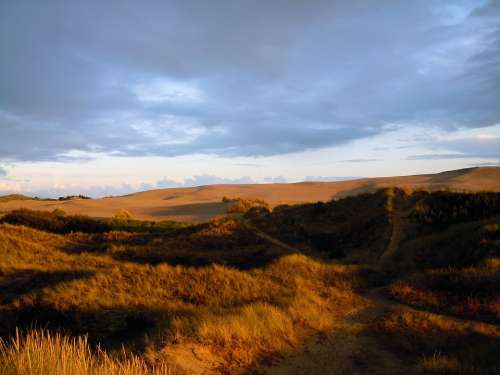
column 238, row 78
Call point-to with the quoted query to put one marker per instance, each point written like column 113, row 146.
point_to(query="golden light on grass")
column 42, row 353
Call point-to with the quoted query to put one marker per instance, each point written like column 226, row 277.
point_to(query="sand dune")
column 203, row 202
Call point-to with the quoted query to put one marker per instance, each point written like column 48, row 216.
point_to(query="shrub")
column 82, row 223
column 256, row 213
column 59, row 212
column 241, row 206
column 336, row 227
column 54, row 222
column 442, row 208
column 123, row 215
column 35, row 219
column 69, row 197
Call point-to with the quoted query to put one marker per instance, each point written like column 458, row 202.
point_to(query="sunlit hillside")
column 387, row 282
column 202, row 203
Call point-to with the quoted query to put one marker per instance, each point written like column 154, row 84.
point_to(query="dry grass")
column 472, row 292
column 440, row 364
column 439, row 344
column 240, row 297
column 242, row 316
column 41, row 353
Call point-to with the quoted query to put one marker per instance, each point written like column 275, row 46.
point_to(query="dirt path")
column 400, row 214
column 271, row 239
column 347, row 350
column 395, row 236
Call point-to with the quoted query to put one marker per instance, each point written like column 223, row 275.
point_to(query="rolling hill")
column 197, row 204
column 389, row 282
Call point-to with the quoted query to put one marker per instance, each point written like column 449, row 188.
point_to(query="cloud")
column 487, row 164
column 330, row 178
column 275, row 180
column 358, row 160
column 438, row 156
column 3, row 172
column 205, row 179
column 248, row 164
column 245, row 78
column 481, row 146
column 56, row 191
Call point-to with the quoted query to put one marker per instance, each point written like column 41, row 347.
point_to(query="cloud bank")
column 238, row 78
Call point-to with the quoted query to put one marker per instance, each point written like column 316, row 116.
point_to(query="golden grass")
column 41, row 353
column 441, row 345
column 439, row 364
column 239, row 294
column 242, row 316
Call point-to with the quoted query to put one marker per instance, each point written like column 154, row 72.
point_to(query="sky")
column 109, row 97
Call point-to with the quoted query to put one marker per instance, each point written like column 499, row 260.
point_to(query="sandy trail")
column 349, row 350
column 346, row 350
column 271, row 239
column 400, row 213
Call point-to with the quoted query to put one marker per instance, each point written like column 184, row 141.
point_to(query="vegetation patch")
column 121, row 295
column 440, row 345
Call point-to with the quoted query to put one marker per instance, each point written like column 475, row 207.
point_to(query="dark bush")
column 35, row 219
column 241, row 206
column 257, row 213
column 335, row 227
column 81, row 223
column 69, row 197
column 53, row 222
column 440, row 209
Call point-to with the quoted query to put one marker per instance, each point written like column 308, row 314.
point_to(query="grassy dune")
column 243, row 315
column 418, row 271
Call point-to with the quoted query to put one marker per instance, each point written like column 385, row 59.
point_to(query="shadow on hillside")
column 242, row 260
column 131, row 326
column 200, row 245
column 369, row 187
column 26, row 281
column 20, row 284
column 202, row 210
column 413, row 334
column 445, row 177
column 110, row 327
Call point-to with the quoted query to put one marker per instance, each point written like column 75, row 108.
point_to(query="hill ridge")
column 197, row 204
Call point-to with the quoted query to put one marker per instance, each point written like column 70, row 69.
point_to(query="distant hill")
column 201, row 203
column 14, row 197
